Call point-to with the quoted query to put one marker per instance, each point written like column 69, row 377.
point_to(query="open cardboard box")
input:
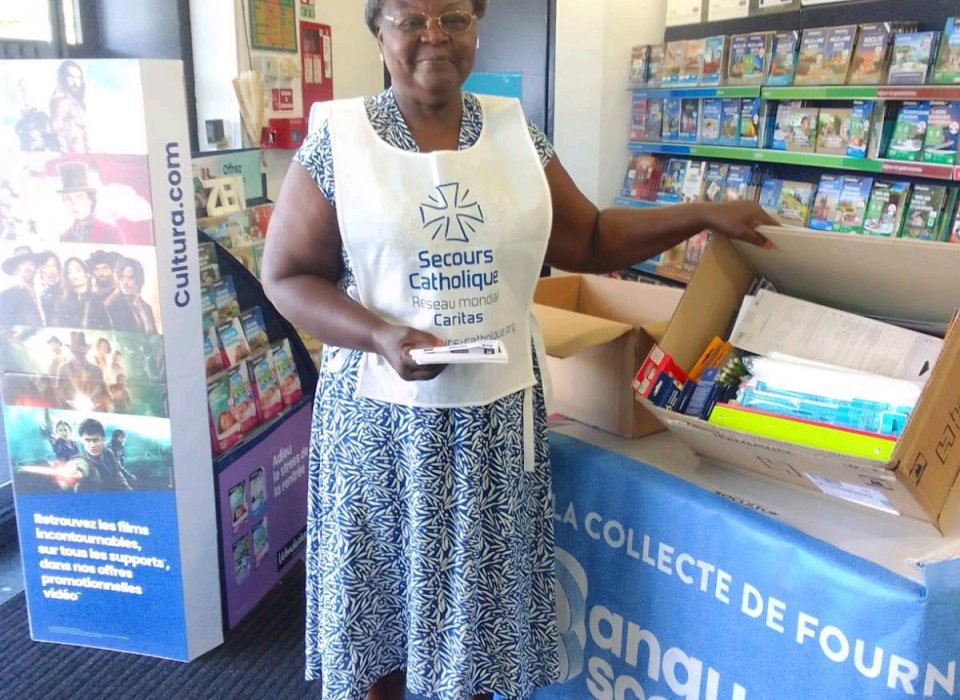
column 893, row 278
column 597, row 330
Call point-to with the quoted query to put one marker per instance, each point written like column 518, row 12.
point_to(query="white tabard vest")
column 449, row 242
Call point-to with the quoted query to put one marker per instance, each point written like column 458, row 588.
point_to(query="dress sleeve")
column 540, row 142
column 316, row 156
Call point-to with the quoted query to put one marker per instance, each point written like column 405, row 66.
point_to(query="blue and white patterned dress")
column 428, row 546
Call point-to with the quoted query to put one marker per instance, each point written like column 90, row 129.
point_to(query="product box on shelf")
column 864, row 275
column 597, row 331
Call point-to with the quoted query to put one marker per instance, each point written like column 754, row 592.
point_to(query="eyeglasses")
column 450, row 23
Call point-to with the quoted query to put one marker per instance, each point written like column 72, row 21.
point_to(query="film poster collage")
column 81, row 356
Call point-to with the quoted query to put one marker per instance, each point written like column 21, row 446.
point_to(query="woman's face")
column 427, row 66
column 76, row 276
column 50, row 270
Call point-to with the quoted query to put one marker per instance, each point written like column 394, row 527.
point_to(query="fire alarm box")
column 287, row 134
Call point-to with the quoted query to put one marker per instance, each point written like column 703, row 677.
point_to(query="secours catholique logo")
column 451, row 212
column 571, row 614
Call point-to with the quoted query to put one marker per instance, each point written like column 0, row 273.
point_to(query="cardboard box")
column 597, row 331
column 884, row 277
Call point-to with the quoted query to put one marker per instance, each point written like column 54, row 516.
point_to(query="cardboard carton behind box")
column 884, row 277
column 597, row 330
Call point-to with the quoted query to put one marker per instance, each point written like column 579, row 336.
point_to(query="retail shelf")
column 699, row 91
column 808, row 92
column 637, row 203
column 820, row 92
column 818, row 160
column 650, row 267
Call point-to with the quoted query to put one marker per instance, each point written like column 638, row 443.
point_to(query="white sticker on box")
column 872, row 498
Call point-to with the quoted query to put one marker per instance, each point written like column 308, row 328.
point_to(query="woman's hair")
column 375, row 7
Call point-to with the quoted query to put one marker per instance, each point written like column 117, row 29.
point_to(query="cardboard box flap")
column 854, row 272
column 711, row 299
column 566, row 333
column 935, row 422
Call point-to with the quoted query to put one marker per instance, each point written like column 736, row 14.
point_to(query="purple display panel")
column 263, row 513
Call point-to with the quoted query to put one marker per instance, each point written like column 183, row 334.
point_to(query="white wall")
column 221, row 51
column 592, row 109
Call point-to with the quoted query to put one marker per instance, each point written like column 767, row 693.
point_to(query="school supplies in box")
column 909, row 132
column 943, row 130
column 799, row 431
column 659, row 379
column 852, row 206
column 287, row 374
column 923, row 218
column 777, row 323
column 912, row 57
column 885, row 210
column 947, row 69
column 715, row 52
column 833, row 130
column 870, row 57
column 783, row 60
column 266, row 386
column 749, row 54
column 825, row 203
column 254, row 329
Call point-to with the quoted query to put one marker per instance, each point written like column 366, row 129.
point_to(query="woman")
column 77, row 306
column 48, row 283
column 418, row 217
column 101, row 359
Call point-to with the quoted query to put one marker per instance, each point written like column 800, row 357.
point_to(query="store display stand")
column 121, row 506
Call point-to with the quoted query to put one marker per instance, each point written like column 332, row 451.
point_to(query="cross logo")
column 451, row 212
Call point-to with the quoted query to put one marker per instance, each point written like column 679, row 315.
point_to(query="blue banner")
column 666, row 590
column 103, row 570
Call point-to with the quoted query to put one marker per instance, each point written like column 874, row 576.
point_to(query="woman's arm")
column 585, row 239
column 300, row 268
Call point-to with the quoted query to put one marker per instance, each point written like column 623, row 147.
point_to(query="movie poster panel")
column 101, row 371
column 76, row 285
column 72, row 452
column 72, row 107
column 98, row 536
column 51, row 198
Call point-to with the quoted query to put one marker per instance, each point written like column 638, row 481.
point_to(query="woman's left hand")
column 739, row 220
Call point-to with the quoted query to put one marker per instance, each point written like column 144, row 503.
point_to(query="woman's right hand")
column 394, row 344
